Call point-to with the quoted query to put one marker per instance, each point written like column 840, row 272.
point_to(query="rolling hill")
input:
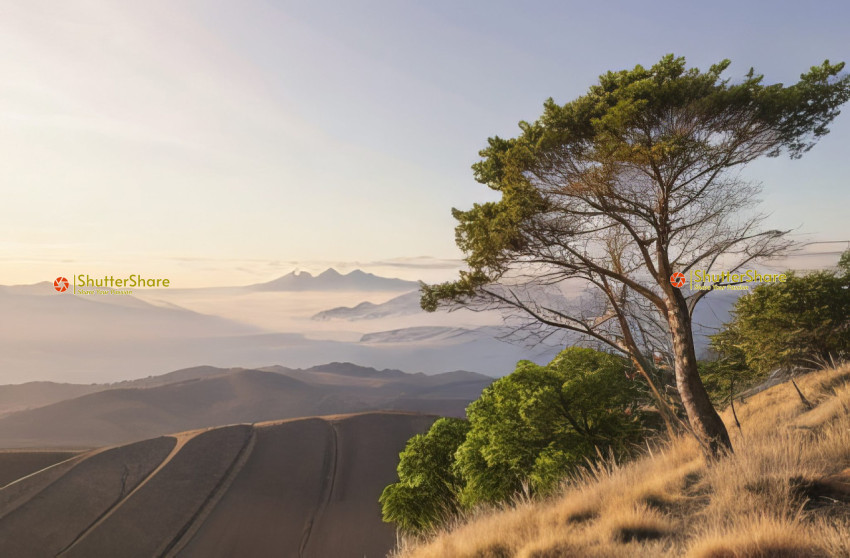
column 30, row 395
column 300, row 488
column 402, row 305
column 19, row 397
column 205, row 396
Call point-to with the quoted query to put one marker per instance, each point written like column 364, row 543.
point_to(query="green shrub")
column 803, row 322
column 536, row 424
column 427, row 490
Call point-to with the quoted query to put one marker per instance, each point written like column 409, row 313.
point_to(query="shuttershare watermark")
column 702, row 280
column 84, row 284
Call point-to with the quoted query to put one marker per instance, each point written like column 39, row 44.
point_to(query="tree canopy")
column 528, row 429
column 539, row 422
column 624, row 186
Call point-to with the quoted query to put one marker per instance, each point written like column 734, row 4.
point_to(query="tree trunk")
column 667, row 414
column 703, row 418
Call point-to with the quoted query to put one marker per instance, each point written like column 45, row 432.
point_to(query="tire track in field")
column 180, row 440
column 320, row 510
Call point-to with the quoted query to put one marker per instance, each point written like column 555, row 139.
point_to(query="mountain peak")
column 331, row 279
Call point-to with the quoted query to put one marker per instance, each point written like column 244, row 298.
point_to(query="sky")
column 222, row 143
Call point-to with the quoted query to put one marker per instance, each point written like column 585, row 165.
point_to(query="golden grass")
column 771, row 498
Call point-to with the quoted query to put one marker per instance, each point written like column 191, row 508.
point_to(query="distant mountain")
column 349, row 369
column 402, row 305
column 204, row 397
column 182, row 375
column 346, row 373
column 49, row 335
column 45, row 335
column 332, row 280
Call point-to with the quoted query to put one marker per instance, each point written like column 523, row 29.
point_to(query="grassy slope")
column 784, row 493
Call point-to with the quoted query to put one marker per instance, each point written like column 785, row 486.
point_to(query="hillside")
column 205, row 396
column 784, row 493
column 402, row 305
column 306, row 487
column 29, row 395
column 19, row 397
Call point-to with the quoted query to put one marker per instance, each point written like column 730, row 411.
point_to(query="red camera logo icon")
column 678, row 279
column 61, row 284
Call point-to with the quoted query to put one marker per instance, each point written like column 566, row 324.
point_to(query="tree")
column 621, row 188
column 796, row 323
column 539, row 422
column 527, row 429
column 428, row 489
column 724, row 378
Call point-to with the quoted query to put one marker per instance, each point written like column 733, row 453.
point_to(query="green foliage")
column 724, row 378
column 796, row 323
column 533, row 426
column 427, row 490
column 539, row 422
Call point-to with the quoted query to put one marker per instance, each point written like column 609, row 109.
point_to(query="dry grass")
column 785, row 492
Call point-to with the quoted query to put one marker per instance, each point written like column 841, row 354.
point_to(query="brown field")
column 310, row 489
column 785, row 492
column 367, row 455
column 19, row 491
column 276, row 494
column 146, row 522
column 49, row 522
column 15, row 465
column 300, row 488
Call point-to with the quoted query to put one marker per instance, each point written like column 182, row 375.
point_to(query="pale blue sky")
column 190, row 137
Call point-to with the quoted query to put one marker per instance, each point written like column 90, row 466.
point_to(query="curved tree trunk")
column 703, row 418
